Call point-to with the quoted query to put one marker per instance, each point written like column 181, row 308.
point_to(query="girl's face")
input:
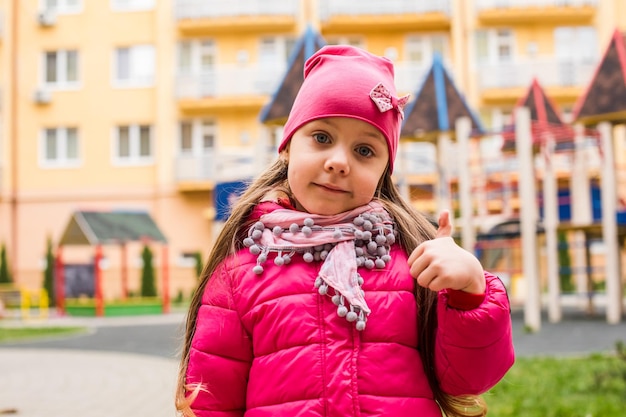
column 335, row 164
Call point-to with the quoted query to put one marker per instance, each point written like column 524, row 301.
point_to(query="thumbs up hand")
column 440, row 263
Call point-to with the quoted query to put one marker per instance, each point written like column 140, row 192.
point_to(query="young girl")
column 326, row 293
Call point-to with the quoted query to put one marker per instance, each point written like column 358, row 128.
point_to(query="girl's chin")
column 322, row 209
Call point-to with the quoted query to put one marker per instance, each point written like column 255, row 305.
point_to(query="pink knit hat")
column 344, row 81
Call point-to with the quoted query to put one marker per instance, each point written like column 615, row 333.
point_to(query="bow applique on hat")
column 385, row 101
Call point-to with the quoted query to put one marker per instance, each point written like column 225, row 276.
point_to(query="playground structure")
column 23, row 303
column 538, row 135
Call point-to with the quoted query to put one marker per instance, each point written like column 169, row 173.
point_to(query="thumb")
column 445, row 225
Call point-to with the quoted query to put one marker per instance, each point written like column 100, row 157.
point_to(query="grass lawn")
column 592, row 386
column 18, row 334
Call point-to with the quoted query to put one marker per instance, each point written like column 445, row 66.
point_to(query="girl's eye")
column 321, row 137
column 364, row 151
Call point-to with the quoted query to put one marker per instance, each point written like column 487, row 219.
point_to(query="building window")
column 134, row 66
column 186, row 137
column 60, row 69
column 420, row 49
column 131, row 5
column 347, row 40
column 196, row 57
column 275, row 50
column 494, row 46
column 197, row 137
column 133, row 145
column 59, row 147
column 62, row 6
column 185, row 58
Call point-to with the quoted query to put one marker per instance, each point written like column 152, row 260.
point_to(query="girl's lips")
column 332, row 188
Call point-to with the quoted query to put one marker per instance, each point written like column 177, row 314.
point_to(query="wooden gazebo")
column 98, row 228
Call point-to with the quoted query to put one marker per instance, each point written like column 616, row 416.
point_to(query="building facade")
column 151, row 105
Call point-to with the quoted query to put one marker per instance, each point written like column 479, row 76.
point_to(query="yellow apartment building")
column 149, row 105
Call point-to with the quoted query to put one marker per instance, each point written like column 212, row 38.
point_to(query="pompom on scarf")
column 361, row 237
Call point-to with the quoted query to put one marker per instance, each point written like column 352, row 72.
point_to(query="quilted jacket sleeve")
column 221, row 353
column 474, row 348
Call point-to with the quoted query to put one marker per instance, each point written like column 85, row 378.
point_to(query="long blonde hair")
column 413, row 228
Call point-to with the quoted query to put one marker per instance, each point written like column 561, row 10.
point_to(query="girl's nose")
column 338, row 162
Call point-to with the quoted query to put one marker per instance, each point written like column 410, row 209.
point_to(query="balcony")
column 519, row 12
column 228, row 86
column 506, row 82
column 233, row 85
column 384, row 16
column 201, row 173
column 201, row 17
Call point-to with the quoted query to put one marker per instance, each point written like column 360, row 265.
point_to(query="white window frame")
column 136, row 79
column 275, row 51
column 62, row 7
column 198, row 127
column 132, row 5
column 493, row 41
column 425, row 45
column 197, row 49
column 135, row 158
column 62, row 83
column 62, row 160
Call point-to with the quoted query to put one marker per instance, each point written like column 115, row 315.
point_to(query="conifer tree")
column 148, row 287
column 48, row 274
column 5, row 275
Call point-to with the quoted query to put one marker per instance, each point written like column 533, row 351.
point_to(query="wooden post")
column 551, row 221
column 528, row 221
column 580, row 205
column 98, row 282
column 124, row 271
column 443, row 181
column 609, row 226
column 580, row 190
column 468, row 233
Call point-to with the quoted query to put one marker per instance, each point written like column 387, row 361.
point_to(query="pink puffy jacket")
column 271, row 345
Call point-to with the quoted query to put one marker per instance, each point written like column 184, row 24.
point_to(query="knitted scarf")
column 344, row 242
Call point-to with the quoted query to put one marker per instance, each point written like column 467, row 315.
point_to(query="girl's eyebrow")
column 374, row 133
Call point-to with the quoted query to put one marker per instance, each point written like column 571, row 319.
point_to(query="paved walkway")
column 48, row 381
column 53, row 382
column 59, row 383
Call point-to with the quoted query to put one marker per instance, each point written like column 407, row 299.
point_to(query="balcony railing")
column 330, row 8
column 548, row 71
column 233, row 80
column 230, row 80
column 217, row 167
column 509, row 4
column 194, row 9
